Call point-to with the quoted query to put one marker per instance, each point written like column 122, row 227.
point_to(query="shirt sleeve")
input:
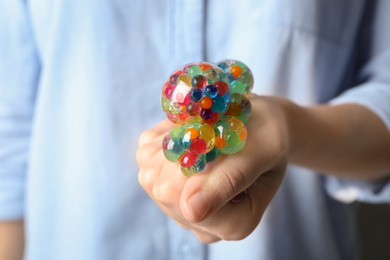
column 19, row 70
column 373, row 92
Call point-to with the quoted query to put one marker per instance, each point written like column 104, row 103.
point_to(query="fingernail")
column 199, row 205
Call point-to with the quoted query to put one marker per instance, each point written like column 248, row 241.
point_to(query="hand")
column 201, row 203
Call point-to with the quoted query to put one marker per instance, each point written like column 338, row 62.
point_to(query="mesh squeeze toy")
column 209, row 104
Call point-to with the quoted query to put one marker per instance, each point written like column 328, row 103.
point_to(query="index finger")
column 161, row 128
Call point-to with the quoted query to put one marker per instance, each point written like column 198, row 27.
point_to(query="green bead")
column 232, row 150
column 171, row 155
column 212, row 155
column 241, row 65
column 247, row 79
column 194, row 70
column 233, row 140
column 165, row 104
column 175, row 108
column 221, row 127
column 174, row 133
column 238, row 87
column 211, row 76
column 223, row 77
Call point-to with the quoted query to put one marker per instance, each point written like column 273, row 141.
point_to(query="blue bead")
column 196, row 94
column 219, row 104
column 223, row 66
column 226, row 97
column 211, row 91
column 231, row 77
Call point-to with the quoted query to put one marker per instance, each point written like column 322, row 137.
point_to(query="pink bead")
column 169, row 91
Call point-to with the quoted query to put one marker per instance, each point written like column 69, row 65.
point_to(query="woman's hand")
column 201, row 203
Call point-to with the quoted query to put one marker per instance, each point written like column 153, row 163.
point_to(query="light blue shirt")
column 80, row 80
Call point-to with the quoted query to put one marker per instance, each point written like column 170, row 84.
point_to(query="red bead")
column 183, row 115
column 222, row 87
column 188, row 159
column 198, row 146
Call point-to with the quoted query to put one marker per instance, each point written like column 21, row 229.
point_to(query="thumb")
column 207, row 192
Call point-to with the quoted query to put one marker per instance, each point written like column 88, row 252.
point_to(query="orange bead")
column 243, row 134
column 204, row 66
column 220, row 142
column 234, row 109
column 192, row 133
column 206, row 102
column 236, row 71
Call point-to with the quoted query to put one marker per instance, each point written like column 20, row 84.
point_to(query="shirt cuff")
column 348, row 191
column 376, row 97
column 373, row 95
column 12, row 191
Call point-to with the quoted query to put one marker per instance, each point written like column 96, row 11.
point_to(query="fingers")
column 162, row 128
column 150, row 141
column 146, row 152
column 207, row 192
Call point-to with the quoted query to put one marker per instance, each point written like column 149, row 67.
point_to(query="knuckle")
column 162, row 193
column 206, row 238
column 146, row 178
column 146, row 137
column 236, row 233
column 143, row 155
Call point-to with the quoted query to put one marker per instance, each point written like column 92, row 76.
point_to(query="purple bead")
column 206, row 114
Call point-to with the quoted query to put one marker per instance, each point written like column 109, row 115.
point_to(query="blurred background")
column 374, row 231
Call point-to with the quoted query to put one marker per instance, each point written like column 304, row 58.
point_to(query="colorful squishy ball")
column 240, row 76
column 230, row 135
column 196, row 92
column 198, row 97
column 188, row 145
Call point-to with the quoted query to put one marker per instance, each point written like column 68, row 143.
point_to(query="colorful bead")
column 212, row 155
column 219, row 104
column 188, row 159
column 236, row 71
column 195, row 94
column 192, row 133
column 211, row 91
column 206, row 102
column 198, row 81
column 222, row 87
column 194, row 71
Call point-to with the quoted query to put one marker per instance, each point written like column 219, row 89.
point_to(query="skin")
column 348, row 141
column 11, row 240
